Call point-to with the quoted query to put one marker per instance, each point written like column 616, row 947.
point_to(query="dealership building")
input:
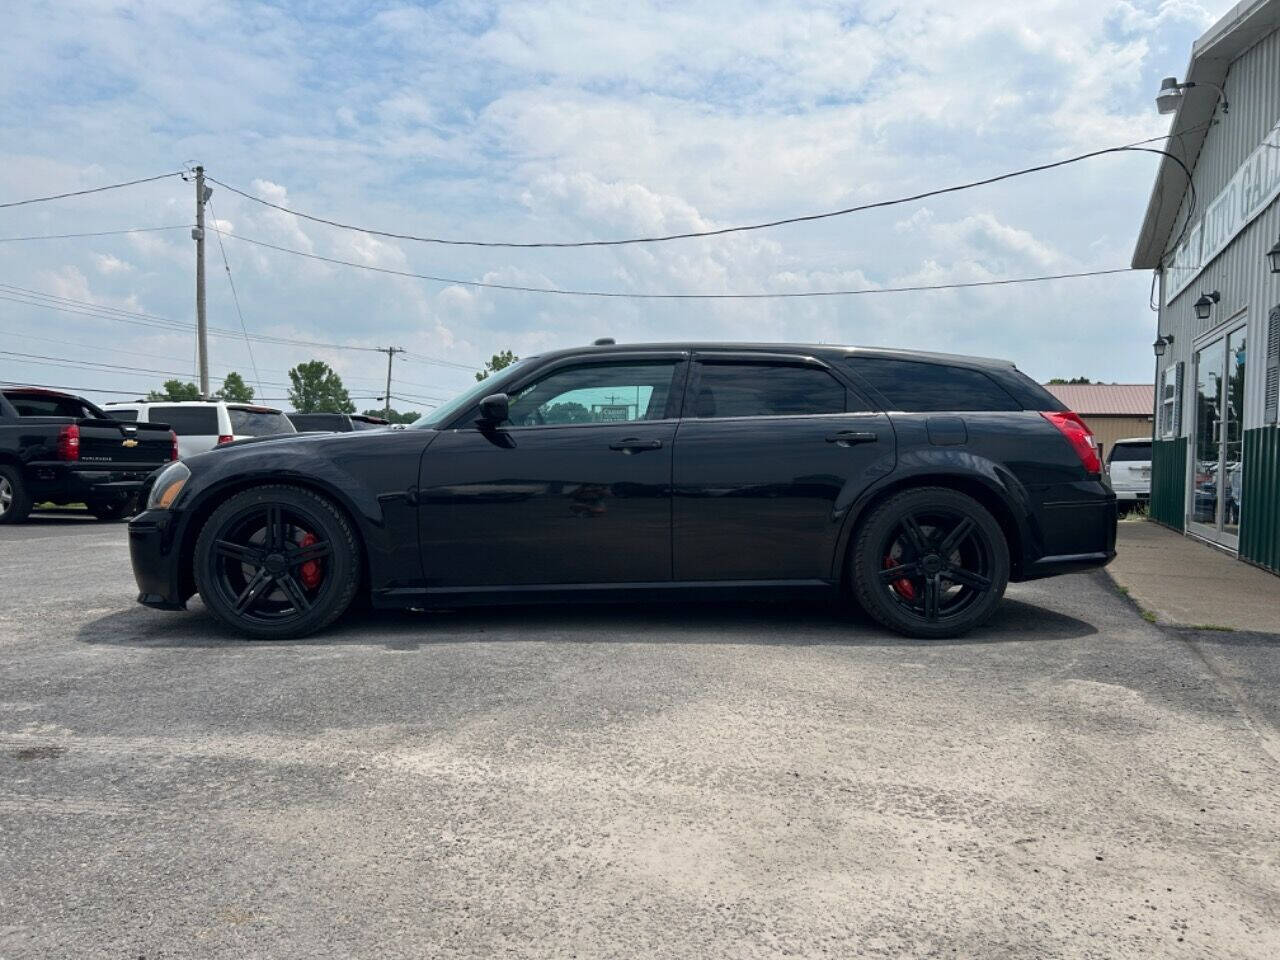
column 1214, row 244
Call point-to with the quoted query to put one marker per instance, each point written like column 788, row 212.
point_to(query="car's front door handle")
column 635, row 445
column 847, row 438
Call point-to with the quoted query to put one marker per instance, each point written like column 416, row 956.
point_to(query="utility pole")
column 391, row 353
column 202, row 332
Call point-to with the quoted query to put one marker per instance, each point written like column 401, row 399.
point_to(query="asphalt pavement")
column 626, row 781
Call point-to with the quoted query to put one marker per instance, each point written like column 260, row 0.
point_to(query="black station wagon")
column 918, row 483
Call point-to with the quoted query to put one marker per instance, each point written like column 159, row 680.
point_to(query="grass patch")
column 1213, row 626
column 1148, row 616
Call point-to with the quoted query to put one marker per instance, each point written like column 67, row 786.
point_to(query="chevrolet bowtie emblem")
column 129, row 443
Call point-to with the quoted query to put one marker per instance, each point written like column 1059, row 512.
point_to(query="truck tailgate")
column 124, row 443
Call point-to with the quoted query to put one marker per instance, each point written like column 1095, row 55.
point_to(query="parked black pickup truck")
column 60, row 448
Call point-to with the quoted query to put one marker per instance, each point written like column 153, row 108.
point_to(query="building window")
column 1170, row 424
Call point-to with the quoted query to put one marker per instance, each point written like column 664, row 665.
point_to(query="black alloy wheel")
column 276, row 562
column 930, row 562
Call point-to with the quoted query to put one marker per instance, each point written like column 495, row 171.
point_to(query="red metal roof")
column 1106, row 399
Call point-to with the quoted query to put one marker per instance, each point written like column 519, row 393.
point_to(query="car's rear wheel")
column 275, row 562
column 930, row 562
column 15, row 502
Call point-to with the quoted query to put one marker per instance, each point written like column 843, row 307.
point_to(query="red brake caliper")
column 904, row 587
column 310, row 573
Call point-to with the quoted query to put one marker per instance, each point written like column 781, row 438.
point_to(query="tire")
column 277, row 585
column 15, row 501
column 930, row 562
column 112, row 509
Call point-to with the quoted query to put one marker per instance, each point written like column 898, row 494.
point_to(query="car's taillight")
column 69, row 442
column 173, row 445
column 224, row 438
column 1078, row 435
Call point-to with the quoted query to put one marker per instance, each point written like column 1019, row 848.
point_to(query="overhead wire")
column 1136, row 146
column 637, row 295
column 235, row 297
column 94, row 233
column 81, row 193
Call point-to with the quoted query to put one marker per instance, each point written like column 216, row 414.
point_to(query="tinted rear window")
column 918, row 387
column 1123, row 452
column 39, row 405
column 187, row 421
column 318, row 421
column 358, row 424
column 123, row 414
column 258, row 423
column 763, row 390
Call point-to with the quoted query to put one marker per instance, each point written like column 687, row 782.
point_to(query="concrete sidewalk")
column 1184, row 582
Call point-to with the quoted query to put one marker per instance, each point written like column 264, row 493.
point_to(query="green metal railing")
column 1169, row 482
column 1260, row 498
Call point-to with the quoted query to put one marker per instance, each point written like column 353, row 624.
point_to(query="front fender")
column 371, row 476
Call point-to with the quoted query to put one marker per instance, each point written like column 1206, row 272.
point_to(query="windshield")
column 468, row 398
column 247, row 422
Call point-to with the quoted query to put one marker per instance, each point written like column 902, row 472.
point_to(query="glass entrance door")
column 1218, row 449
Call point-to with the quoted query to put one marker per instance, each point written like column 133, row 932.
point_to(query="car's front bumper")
column 154, row 555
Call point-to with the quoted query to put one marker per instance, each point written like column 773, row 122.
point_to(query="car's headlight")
column 168, row 485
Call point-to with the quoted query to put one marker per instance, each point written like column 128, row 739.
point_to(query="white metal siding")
column 1240, row 272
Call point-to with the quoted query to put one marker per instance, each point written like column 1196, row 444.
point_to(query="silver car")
column 1129, row 467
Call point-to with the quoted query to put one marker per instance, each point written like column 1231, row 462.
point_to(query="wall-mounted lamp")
column 1170, row 95
column 1204, row 306
column 1273, row 255
column 1161, row 343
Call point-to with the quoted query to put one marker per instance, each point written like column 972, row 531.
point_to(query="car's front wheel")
column 930, row 562
column 275, row 562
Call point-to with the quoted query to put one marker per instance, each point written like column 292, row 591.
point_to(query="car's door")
column 770, row 453
column 574, row 489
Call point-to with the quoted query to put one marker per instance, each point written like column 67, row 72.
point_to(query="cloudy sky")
column 562, row 120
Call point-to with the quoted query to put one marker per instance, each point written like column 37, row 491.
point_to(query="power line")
column 1137, row 146
column 630, row 295
column 81, row 193
column 236, row 298
column 96, row 233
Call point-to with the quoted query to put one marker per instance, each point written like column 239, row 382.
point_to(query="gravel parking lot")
column 625, row 781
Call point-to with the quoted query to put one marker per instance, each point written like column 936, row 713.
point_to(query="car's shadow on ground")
column 790, row 624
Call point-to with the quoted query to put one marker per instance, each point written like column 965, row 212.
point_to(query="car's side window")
column 596, row 393
column 915, row 386
column 764, row 390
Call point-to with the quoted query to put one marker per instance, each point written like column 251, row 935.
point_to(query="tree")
column 499, row 361
column 568, row 412
column 175, row 390
column 409, row 416
column 317, row 389
column 1060, row 380
column 235, row 390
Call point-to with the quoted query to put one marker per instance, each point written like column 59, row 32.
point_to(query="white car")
column 204, row 424
column 1129, row 467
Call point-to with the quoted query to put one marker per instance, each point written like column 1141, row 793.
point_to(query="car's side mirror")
column 495, row 409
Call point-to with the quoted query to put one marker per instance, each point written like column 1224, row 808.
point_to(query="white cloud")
column 107, row 264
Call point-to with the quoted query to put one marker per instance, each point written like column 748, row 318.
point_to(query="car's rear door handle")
column 635, row 445
column 847, row 438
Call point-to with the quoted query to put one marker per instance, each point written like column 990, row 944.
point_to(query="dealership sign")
column 1253, row 187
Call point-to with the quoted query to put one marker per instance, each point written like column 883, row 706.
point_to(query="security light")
column 1273, row 255
column 1204, row 306
column 1171, row 93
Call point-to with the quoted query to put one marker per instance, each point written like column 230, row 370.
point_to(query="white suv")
column 1129, row 466
column 203, row 424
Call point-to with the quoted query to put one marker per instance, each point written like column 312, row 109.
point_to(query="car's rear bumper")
column 1076, row 524
column 152, row 551
column 68, row 482
column 1133, row 496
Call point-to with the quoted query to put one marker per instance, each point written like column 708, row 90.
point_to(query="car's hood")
column 282, row 444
